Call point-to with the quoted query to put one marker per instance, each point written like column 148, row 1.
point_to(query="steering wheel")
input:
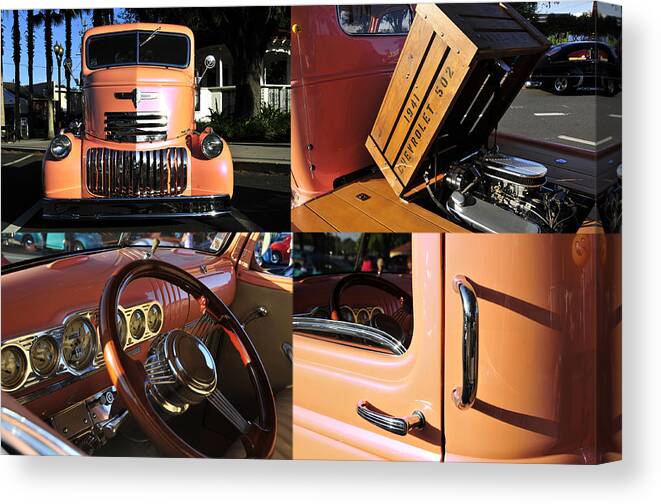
column 390, row 324
column 180, row 371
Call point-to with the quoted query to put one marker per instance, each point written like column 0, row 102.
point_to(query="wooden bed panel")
column 304, row 219
column 381, row 212
column 344, row 217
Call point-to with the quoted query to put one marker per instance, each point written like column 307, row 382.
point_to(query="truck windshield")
column 154, row 48
column 27, row 246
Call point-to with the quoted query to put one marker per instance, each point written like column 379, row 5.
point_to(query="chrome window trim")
column 349, row 329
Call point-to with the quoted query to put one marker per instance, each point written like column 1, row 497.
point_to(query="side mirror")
column 210, row 61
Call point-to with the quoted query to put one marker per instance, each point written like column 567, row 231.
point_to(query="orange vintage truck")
column 137, row 153
column 457, row 347
column 399, row 133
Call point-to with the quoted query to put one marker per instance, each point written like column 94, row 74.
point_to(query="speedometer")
column 79, row 343
column 121, row 327
column 346, row 314
column 13, row 366
column 43, row 355
column 154, row 318
column 137, row 324
column 363, row 317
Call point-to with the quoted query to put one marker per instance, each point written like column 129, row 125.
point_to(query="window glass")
column 167, row 49
column 375, row 307
column 579, row 76
column 375, row 19
column 273, row 253
column 132, row 48
column 111, row 50
column 24, row 246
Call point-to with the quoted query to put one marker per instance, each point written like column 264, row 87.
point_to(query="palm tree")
column 102, row 17
column 69, row 15
column 49, row 18
column 16, row 33
column 29, row 35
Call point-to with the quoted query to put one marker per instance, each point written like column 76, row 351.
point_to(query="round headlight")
column 212, row 145
column 60, row 146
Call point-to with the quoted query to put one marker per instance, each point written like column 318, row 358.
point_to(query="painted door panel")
column 333, row 377
column 537, row 360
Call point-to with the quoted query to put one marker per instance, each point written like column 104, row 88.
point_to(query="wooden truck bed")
column 367, row 205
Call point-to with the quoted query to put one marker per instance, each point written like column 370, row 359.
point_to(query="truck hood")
column 139, row 104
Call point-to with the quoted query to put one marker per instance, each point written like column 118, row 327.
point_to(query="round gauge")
column 346, row 314
column 137, row 324
column 375, row 310
column 121, row 327
column 79, row 343
column 43, row 355
column 363, row 317
column 154, row 318
column 14, row 366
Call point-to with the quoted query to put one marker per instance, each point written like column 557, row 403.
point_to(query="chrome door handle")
column 464, row 396
column 397, row 425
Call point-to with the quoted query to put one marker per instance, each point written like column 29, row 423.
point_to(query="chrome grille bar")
column 135, row 126
column 117, row 173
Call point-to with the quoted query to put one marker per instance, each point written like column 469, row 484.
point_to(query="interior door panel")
column 333, row 377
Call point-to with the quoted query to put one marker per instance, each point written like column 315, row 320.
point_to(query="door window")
column 272, row 253
column 375, row 19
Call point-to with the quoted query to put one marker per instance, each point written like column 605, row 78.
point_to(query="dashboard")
column 72, row 347
column 362, row 315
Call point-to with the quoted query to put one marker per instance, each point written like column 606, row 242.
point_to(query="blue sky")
column 573, row 7
column 39, row 51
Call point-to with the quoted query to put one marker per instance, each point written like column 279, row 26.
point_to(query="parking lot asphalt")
column 585, row 121
column 261, row 200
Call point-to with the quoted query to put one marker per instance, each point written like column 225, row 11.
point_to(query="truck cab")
column 137, row 152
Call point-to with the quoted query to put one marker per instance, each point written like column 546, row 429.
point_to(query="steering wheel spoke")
column 180, row 370
column 219, row 401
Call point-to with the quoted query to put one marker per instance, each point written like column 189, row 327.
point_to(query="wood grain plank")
column 380, row 186
column 344, row 217
column 395, row 215
column 304, row 219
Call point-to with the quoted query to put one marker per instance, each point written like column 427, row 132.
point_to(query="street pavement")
column 582, row 120
column 261, row 200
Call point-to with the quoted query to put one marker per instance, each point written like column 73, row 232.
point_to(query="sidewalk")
column 278, row 154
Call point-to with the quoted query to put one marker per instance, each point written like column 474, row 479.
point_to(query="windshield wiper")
column 151, row 36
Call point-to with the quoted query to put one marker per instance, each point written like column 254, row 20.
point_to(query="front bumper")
column 136, row 208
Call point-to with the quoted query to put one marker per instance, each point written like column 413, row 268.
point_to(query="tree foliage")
column 246, row 31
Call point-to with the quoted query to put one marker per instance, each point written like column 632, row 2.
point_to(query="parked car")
column 578, row 66
column 279, row 251
column 32, row 241
column 137, row 151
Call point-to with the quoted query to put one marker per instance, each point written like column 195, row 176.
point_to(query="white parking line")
column 546, row 114
column 617, row 116
column 23, row 218
column 17, row 160
column 586, row 142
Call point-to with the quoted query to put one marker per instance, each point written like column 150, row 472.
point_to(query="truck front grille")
column 116, row 173
column 136, row 126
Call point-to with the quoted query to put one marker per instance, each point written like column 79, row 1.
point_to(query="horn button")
column 181, row 371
